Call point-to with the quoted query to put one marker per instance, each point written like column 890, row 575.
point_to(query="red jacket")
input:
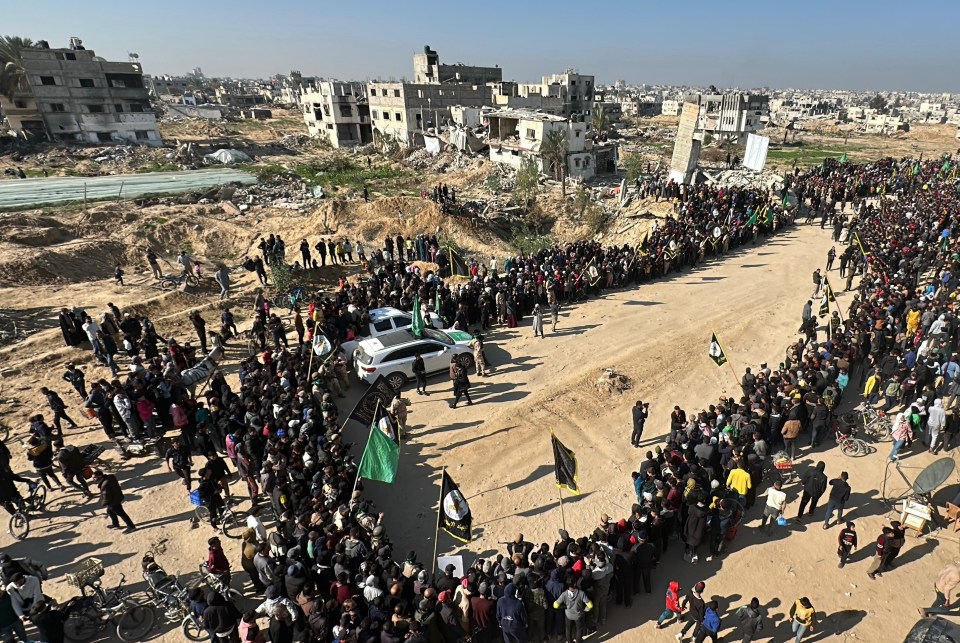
column 673, row 597
column 217, row 563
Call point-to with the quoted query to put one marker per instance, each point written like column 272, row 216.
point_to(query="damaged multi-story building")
column 517, row 134
column 72, row 94
column 730, row 116
column 339, row 112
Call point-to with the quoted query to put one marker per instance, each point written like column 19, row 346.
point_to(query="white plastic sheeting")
column 227, row 156
column 755, row 156
column 28, row 193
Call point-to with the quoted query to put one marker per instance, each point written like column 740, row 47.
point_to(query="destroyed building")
column 515, row 135
column 427, row 68
column 72, row 94
column 730, row 116
column 338, row 111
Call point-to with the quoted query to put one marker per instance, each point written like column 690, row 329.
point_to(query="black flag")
column 455, row 517
column 564, row 465
column 366, row 409
column 458, row 267
column 716, row 351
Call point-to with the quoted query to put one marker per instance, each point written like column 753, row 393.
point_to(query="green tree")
column 281, row 277
column 878, row 103
column 528, row 182
column 632, row 164
column 13, row 78
column 554, row 151
column 581, row 199
column 600, row 123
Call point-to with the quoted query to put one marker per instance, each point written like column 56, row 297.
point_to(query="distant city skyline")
column 749, row 44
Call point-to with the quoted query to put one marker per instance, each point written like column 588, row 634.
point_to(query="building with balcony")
column 518, row 134
column 338, row 111
column 74, row 95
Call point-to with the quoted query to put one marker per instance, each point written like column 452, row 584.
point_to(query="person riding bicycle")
column 217, row 563
column 9, row 495
column 209, row 494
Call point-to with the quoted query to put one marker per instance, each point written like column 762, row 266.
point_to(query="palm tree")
column 13, row 78
column 600, row 123
column 554, row 151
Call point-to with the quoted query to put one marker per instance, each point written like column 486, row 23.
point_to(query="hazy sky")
column 850, row 44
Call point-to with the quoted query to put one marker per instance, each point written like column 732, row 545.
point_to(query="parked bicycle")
column 173, row 282
column 19, row 524
column 850, row 445
column 171, row 598
column 875, row 423
column 91, row 613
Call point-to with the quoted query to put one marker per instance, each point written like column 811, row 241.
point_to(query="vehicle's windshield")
column 436, row 335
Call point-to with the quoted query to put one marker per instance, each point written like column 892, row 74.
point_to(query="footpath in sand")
column 498, row 451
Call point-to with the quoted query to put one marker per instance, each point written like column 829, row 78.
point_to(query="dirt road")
column 498, row 451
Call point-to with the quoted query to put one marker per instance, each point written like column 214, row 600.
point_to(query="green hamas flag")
column 916, row 168
column 381, row 455
column 843, row 159
column 417, row 325
column 753, row 218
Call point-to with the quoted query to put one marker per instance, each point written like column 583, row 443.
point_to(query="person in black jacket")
column 111, row 497
column 814, row 483
column 839, row 495
column 59, row 408
column 49, row 621
column 420, row 372
column 221, row 617
column 697, row 606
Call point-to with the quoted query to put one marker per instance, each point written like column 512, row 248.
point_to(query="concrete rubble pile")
column 287, row 191
column 741, row 178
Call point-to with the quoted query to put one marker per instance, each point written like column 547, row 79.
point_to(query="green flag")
column 946, row 166
column 380, row 457
column 417, row 325
column 916, row 168
column 753, row 218
column 843, row 159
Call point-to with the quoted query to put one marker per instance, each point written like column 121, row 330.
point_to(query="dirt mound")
column 611, row 382
column 72, row 262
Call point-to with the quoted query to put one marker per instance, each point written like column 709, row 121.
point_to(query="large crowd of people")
column 327, row 570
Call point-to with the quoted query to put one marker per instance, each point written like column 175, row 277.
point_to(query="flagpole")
column 729, row 361
column 436, row 535
column 563, row 521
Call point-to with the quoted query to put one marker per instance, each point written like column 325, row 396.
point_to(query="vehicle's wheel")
column 231, row 527
column 397, row 381
column 192, row 630
column 82, row 624
column 19, row 525
column 168, row 284
column 850, row 447
column 40, row 498
column 465, row 360
column 135, row 623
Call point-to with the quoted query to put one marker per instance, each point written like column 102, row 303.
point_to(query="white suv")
column 391, row 354
column 385, row 320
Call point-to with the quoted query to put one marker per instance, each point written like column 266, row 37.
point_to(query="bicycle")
column 228, row 523
column 172, row 598
column 90, row 613
column 19, row 524
column 876, row 425
column 850, row 445
column 172, row 282
column 220, row 585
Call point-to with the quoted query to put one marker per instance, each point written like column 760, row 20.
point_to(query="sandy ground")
column 498, row 450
